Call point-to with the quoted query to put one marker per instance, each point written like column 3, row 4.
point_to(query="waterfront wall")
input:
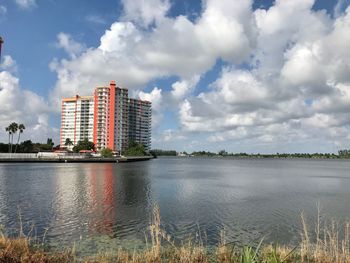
column 65, row 158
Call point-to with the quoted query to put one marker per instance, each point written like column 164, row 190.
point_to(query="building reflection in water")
column 119, row 202
column 102, row 206
column 77, row 201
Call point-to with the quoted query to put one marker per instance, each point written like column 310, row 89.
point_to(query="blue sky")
column 49, row 45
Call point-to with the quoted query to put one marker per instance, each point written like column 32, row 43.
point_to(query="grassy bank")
column 326, row 246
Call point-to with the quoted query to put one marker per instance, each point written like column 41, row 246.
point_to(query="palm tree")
column 14, row 128
column 21, row 128
column 8, row 129
column 50, row 142
column 68, row 142
column 11, row 129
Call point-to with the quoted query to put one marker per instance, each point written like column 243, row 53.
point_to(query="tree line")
column 158, row 152
column 28, row 146
column 224, row 153
column 134, row 148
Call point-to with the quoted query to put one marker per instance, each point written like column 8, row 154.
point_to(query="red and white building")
column 113, row 119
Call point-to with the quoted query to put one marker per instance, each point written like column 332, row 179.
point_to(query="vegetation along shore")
column 342, row 154
column 327, row 244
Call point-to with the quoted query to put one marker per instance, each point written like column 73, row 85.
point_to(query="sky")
column 257, row 76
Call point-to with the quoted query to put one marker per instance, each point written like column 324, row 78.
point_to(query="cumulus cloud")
column 26, row 4
column 285, row 74
column 339, row 7
column 169, row 135
column 155, row 96
column 8, row 64
column 297, row 84
column 176, row 46
column 23, row 106
column 72, row 47
column 145, row 12
column 181, row 88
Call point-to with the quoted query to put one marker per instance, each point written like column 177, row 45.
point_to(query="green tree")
column 11, row 129
column 21, row 128
column 135, row 149
column 344, row 153
column 222, row 153
column 158, row 152
column 68, row 142
column 8, row 130
column 50, row 143
column 84, row 145
column 26, row 146
column 107, row 153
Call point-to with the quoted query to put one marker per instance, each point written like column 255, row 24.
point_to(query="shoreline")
column 323, row 246
column 63, row 159
column 253, row 157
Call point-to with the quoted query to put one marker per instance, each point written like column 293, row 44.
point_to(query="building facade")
column 109, row 119
column 140, row 119
column 77, row 116
column 101, row 117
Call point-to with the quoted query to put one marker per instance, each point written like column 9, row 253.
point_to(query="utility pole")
column 1, row 42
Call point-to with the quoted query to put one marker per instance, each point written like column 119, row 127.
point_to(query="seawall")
column 63, row 159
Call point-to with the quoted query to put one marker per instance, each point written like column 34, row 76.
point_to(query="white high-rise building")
column 77, row 119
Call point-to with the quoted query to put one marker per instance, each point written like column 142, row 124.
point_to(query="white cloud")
column 176, row 46
column 238, row 87
column 72, row 47
column 155, row 96
column 23, row 106
column 295, row 78
column 302, row 57
column 181, row 88
column 26, row 4
column 8, row 64
column 339, row 8
column 146, row 12
column 118, row 38
column 299, row 82
column 169, row 135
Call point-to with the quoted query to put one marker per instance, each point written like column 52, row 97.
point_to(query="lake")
column 102, row 206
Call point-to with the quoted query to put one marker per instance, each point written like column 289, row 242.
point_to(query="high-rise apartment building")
column 109, row 118
column 77, row 115
column 140, row 118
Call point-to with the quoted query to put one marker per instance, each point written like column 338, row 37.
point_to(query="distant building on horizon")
column 113, row 120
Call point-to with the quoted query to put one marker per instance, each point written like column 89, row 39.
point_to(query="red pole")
column 1, row 42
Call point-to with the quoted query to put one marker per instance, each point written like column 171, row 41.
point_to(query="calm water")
column 100, row 206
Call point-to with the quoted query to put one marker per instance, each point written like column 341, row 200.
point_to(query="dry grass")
column 322, row 245
column 328, row 246
column 20, row 250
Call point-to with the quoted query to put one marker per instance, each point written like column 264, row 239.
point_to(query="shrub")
column 107, row 153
